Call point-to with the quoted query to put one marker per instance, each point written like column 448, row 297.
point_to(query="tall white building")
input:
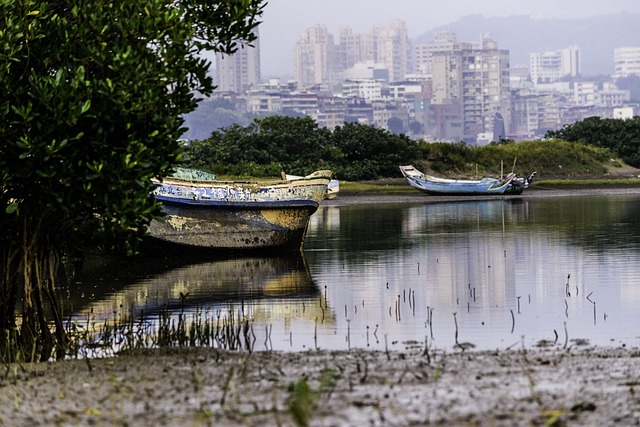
column 318, row 60
column 444, row 41
column 239, row 71
column 626, row 61
column 354, row 48
column 392, row 47
column 315, row 57
column 478, row 80
column 548, row 67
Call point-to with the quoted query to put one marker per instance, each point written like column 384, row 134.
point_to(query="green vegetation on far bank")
column 356, row 152
column 351, row 187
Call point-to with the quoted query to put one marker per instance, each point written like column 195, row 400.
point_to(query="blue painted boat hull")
column 443, row 186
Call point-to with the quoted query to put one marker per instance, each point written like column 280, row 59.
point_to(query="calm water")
column 497, row 274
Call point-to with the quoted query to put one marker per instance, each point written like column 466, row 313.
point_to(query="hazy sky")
column 285, row 20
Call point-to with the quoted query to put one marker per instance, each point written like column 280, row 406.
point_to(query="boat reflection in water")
column 270, row 295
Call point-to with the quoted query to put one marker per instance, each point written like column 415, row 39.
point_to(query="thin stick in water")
column 455, row 321
column 513, row 321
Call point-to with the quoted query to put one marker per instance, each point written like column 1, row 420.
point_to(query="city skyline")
column 285, row 20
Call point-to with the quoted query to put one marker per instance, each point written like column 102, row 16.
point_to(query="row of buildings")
column 444, row 90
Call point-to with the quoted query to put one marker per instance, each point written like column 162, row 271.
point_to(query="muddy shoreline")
column 202, row 387
column 554, row 386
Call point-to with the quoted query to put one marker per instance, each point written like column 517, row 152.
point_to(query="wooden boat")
column 332, row 190
column 202, row 212
column 511, row 184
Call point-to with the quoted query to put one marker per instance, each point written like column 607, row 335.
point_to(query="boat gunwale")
column 320, row 176
column 244, row 204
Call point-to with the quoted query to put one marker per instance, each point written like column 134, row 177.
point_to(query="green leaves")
column 298, row 146
column 93, row 97
column 85, row 106
column 12, row 208
column 619, row 136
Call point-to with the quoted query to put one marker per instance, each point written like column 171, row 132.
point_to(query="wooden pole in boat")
column 501, row 168
column 513, row 168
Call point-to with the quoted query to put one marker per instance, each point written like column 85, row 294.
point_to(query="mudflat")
column 202, row 387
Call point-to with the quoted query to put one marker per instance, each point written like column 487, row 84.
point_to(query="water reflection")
column 499, row 273
column 271, row 292
column 513, row 271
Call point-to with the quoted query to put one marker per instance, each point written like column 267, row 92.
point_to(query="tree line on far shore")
column 298, row 146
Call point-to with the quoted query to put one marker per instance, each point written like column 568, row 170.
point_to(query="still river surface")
column 497, row 274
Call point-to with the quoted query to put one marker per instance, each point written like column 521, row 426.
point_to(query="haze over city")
column 285, row 20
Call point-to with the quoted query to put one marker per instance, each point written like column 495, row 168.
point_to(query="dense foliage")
column 264, row 148
column 93, row 92
column 620, row 136
column 366, row 152
column 298, row 146
column 358, row 152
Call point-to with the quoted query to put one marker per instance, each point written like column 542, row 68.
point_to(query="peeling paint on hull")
column 238, row 216
column 226, row 228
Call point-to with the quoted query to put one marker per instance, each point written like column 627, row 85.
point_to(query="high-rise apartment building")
column 354, row 48
column 549, row 67
column 317, row 60
column 626, row 61
column 392, row 47
column 477, row 78
column 444, row 41
column 239, row 71
column 315, row 57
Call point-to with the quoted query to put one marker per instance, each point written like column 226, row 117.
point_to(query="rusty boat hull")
column 238, row 216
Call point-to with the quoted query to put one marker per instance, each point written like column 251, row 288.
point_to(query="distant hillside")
column 521, row 35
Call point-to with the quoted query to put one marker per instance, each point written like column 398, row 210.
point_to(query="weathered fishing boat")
column 202, row 212
column 332, row 190
column 511, row 184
